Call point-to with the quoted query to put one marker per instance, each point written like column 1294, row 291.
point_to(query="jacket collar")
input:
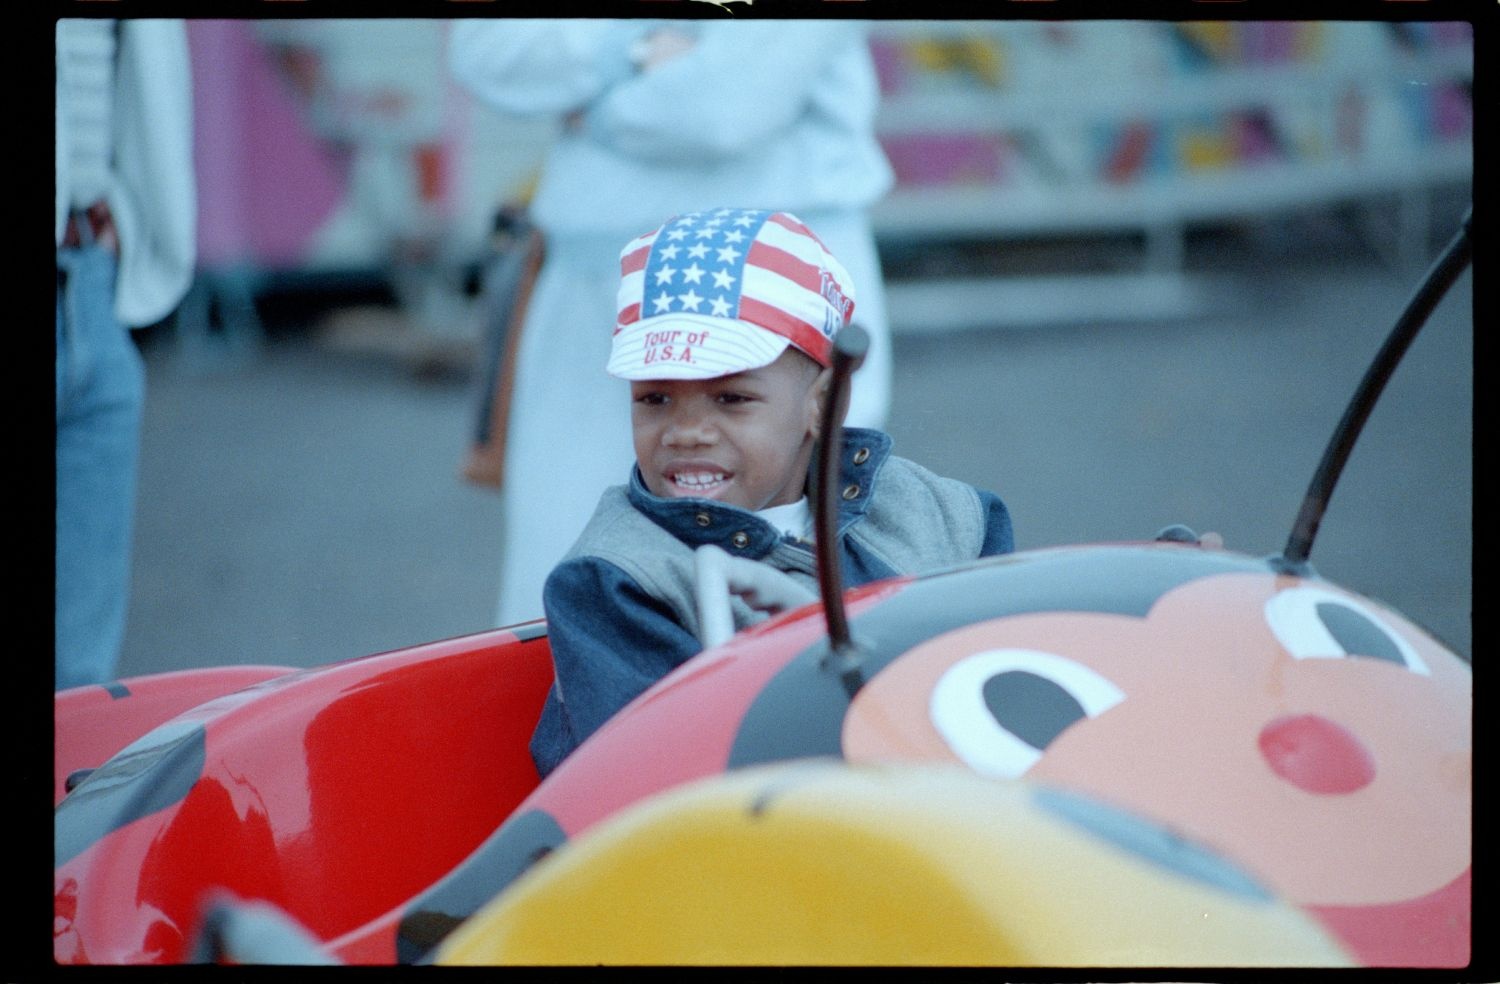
column 740, row 532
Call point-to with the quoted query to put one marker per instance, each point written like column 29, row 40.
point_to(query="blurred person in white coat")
column 125, row 233
column 660, row 118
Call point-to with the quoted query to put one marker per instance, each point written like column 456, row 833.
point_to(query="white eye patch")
column 1315, row 623
column 998, row 709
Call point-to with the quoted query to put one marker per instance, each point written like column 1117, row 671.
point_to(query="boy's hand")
column 762, row 587
column 766, row 589
column 1177, row 533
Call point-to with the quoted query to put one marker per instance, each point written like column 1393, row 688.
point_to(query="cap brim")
column 689, row 346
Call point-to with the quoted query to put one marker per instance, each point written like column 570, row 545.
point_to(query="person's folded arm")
column 540, row 67
column 735, row 87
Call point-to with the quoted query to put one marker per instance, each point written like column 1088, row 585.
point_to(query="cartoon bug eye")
column 1314, row 623
column 999, row 709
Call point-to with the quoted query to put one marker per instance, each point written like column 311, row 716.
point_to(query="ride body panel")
column 93, row 722
column 333, row 793
column 1149, row 621
column 816, row 863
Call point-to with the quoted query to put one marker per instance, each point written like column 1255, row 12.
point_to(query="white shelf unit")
column 1347, row 112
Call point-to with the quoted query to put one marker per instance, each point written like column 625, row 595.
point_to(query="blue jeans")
column 100, row 392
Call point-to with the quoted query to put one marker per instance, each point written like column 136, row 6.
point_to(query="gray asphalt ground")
column 305, row 506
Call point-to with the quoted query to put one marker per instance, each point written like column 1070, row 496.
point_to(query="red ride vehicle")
column 1158, row 753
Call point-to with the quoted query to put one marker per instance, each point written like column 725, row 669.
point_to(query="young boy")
column 724, row 330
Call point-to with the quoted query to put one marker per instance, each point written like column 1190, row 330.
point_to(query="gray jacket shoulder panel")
column 921, row 521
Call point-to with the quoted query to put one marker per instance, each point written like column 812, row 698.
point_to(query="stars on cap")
column 713, row 243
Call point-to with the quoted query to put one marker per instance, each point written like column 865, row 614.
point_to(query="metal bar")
column 1444, row 271
column 849, row 349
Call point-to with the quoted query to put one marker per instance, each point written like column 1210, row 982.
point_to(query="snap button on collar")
column 703, row 519
column 861, row 456
column 851, row 492
column 740, row 539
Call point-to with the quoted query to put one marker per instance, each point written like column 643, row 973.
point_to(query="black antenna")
column 849, row 348
column 1440, row 277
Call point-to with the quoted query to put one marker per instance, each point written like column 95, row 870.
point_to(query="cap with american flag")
column 723, row 291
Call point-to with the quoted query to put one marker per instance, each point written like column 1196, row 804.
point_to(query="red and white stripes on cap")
column 724, row 291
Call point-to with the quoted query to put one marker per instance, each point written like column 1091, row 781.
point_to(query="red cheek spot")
column 1316, row 755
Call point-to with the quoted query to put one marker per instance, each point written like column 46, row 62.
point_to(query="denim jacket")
column 620, row 607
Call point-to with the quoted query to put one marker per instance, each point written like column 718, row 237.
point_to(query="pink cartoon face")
column 1321, row 741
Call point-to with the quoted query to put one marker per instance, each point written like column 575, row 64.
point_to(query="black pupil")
column 1031, row 707
column 1357, row 635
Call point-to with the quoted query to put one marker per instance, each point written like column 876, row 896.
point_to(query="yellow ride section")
column 821, row 863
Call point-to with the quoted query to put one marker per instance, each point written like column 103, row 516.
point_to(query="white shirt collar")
column 793, row 518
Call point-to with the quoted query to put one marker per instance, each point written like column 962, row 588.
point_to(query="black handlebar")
column 849, row 349
column 1444, row 271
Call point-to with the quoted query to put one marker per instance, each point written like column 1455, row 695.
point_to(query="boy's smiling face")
column 743, row 439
